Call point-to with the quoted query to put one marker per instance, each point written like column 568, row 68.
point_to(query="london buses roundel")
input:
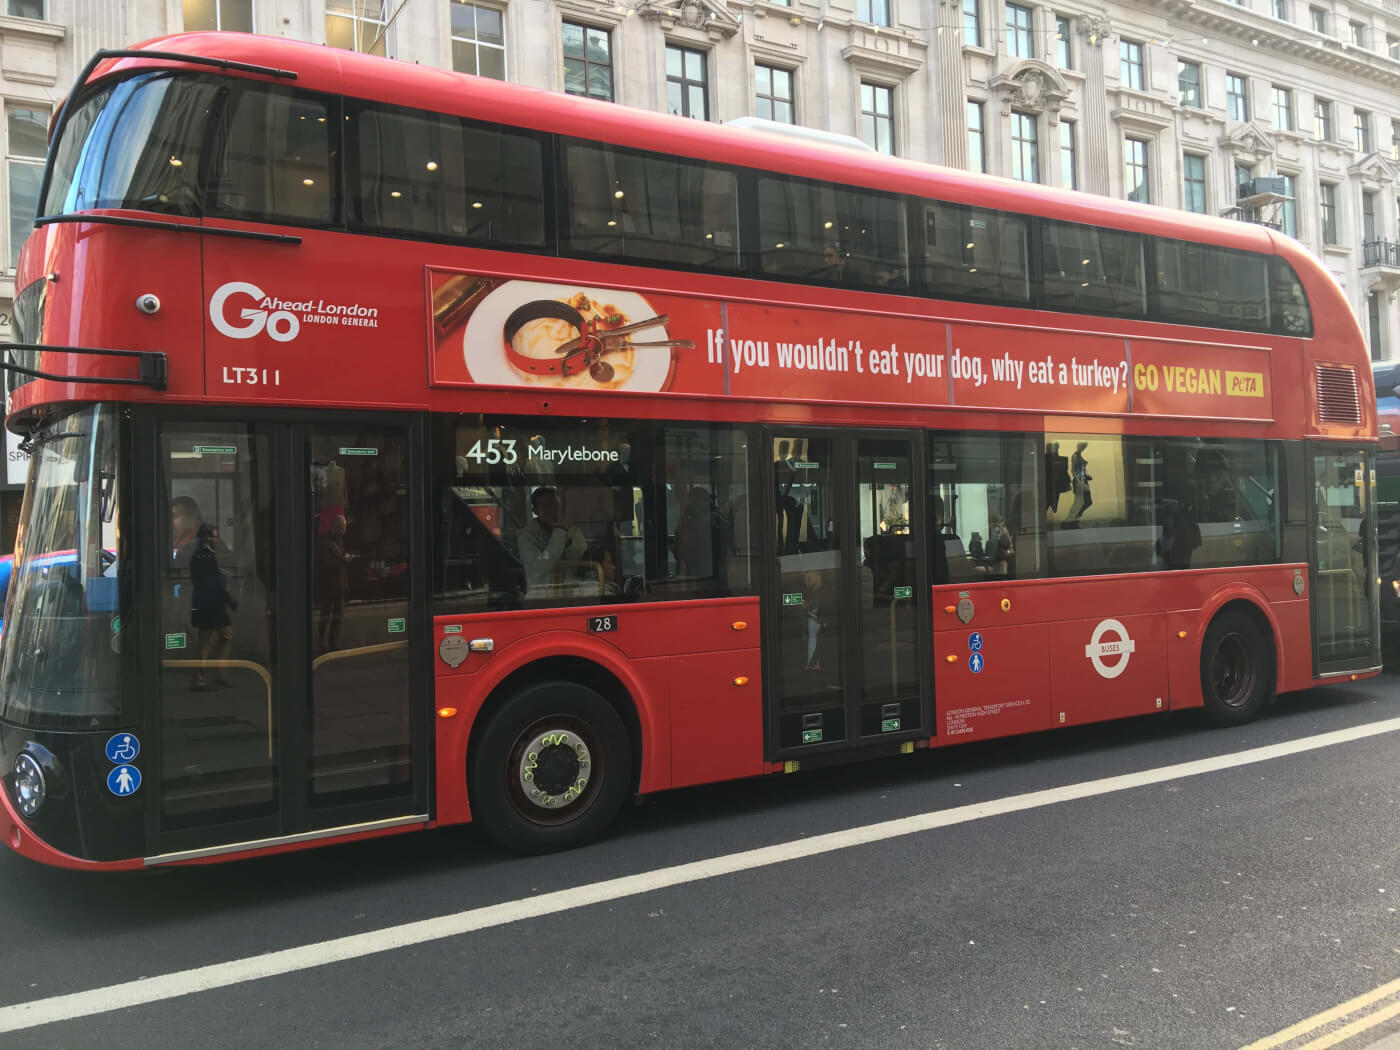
column 1109, row 648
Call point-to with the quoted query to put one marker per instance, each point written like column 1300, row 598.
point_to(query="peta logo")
column 281, row 325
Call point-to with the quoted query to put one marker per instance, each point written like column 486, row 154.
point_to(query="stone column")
column 948, row 84
column 1097, row 141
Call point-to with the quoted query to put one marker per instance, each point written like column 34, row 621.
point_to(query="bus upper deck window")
column 273, row 156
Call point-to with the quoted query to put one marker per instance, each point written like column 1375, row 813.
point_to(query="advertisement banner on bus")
column 492, row 331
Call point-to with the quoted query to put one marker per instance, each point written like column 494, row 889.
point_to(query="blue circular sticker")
column 974, row 663
column 124, row 780
column 974, row 641
column 123, row 747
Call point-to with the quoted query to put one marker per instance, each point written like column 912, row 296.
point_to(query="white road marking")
column 222, row 975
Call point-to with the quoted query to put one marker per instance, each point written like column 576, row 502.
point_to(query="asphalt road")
column 1198, row 911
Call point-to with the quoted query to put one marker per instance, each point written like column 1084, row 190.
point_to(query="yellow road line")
column 1327, row 1017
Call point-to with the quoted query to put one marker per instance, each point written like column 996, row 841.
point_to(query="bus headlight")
column 30, row 789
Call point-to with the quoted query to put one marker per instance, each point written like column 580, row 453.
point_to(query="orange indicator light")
column 1181, row 634
column 742, row 680
column 447, row 712
column 739, row 625
column 951, row 658
column 950, row 609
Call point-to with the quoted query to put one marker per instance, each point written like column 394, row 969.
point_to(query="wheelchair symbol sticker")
column 974, row 641
column 123, row 747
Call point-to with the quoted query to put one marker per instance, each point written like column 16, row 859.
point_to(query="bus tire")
column 1237, row 669
column 551, row 770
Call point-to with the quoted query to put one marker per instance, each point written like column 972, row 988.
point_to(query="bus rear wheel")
column 1237, row 669
column 552, row 769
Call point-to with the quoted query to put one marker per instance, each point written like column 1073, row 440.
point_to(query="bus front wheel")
column 551, row 770
column 1237, row 669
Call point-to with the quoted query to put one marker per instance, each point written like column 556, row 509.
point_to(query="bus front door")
column 287, row 600
column 846, row 592
column 1346, row 628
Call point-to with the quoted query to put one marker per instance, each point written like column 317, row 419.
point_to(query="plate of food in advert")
column 566, row 337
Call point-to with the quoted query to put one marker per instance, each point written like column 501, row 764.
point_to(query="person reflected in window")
column 332, row 582
column 546, row 543
column 938, row 540
column 1079, row 479
column 210, row 603
column 697, row 535
column 185, row 521
column 1219, row 499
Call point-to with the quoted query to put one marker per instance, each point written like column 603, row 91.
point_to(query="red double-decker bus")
column 410, row 449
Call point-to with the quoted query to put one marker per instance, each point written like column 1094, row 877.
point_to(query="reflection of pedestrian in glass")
column 546, row 542
column 820, row 599
column 697, row 535
column 184, row 528
column 332, row 582
column 938, row 544
column 1080, row 478
column 210, row 603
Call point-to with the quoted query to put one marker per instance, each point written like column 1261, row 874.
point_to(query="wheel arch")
column 1250, row 601
column 579, row 668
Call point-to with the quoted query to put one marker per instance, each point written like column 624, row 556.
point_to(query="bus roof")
column 356, row 75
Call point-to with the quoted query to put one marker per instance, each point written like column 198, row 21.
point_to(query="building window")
column 1025, row 147
column 772, row 94
column 874, row 12
column 1236, row 97
column 972, row 22
column 35, row 9
column 588, row 61
column 357, row 25
column 1395, row 140
column 1322, row 119
column 1281, row 9
column 1327, row 204
column 26, row 141
column 1283, row 108
column 1130, row 64
column 1064, row 32
column 1135, row 173
column 1018, row 31
column 478, row 40
column 1289, row 211
column 1188, row 83
column 1368, row 217
column 1359, row 35
column 877, row 116
column 234, row 16
column 976, row 143
column 1361, row 130
column 1392, row 46
column 1319, row 19
column 1373, row 324
column 1069, row 165
column 1193, row 179
column 686, row 93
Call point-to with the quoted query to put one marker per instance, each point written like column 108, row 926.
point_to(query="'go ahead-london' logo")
column 280, row 318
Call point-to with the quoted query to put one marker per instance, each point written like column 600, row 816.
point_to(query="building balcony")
column 1384, row 255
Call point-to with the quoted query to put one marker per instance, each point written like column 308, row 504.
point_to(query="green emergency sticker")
column 452, row 628
column 216, row 450
column 175, row 641
column 397, row 625
column 359, row 452
column 889, row 725
column 811, row 736
column 904, row 592
column 792, row 599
